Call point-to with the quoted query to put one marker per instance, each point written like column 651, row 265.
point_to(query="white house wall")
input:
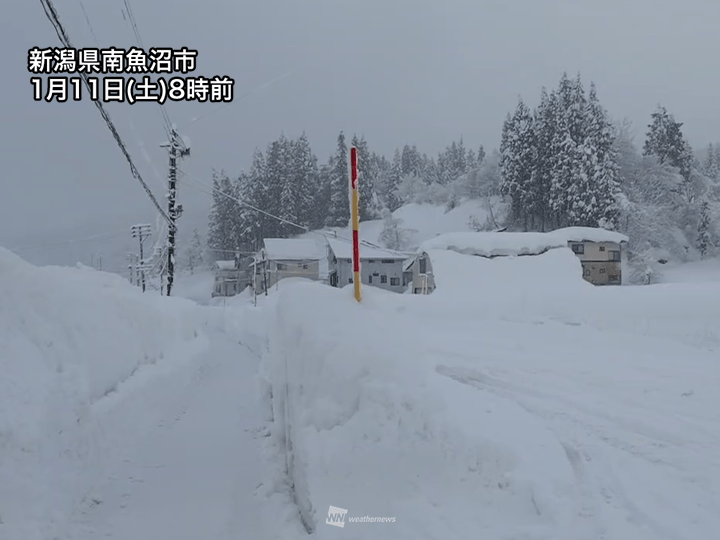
column 367, row 268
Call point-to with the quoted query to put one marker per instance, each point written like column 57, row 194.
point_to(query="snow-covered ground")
column 125, row 413
column 517, row 402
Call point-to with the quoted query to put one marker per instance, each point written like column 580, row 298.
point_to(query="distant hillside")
column 425, row 221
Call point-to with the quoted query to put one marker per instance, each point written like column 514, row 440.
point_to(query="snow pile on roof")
column 588, row 234
column 70, row 340
column 295, row 249
column 494, row 244
column 344, row 250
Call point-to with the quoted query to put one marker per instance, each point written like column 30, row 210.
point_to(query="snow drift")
column 69, row 340
column 516, row 401
column 368, row 425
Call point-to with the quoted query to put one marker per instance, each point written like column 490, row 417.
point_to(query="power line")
column 324, row 234
column 52, row 16
column 87, row 19
column 164, row 116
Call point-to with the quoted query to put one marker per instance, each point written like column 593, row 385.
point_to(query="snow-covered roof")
column 589, row 234
column 225, row 265
column 494, row 244
column 343, row 250
column 491, row 244
column 294, row 249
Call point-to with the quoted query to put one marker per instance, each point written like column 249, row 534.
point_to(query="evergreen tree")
column 480, row 158
column 665, row 140
column 255, row 192
column 339, row 212
column 273, row 189
column 703, row 240
column 545, row 125
column 600, row 202
column 518, row 153
column 711, row 166
column 195, row 252
column 392, row 201
column 222, row 227
column 367, row 174
column 306, row 179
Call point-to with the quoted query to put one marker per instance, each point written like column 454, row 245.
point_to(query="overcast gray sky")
column 397, row 71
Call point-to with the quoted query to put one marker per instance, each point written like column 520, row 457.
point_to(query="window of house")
column 418, row 290
column 394, row 281
column 587, row 272
column 602, row 248
column 369, row 279
column 371, row 260
column 578, row 249
column 613, row 278
column 423, row 265
column 280, row 266
column 614, row 255
column 349, row 280
column 305, row 266
column 383, row 279
column 602, row 270
column 387, row 261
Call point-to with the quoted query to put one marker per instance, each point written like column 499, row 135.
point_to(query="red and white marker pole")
column 355, row 221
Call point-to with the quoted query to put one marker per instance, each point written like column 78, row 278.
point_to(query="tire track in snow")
column 599, row 487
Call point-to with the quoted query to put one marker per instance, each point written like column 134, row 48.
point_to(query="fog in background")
column 397, row 71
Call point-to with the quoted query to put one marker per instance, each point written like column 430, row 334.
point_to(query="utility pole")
column 176, row 149
column 141, row 232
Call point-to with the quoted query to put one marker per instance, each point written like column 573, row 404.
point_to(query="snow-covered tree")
column 518, row 151
column 339, row 211
column 393, row 235
column 665, row 140
column 195, row 252
column 704, row 240
column 367, row 176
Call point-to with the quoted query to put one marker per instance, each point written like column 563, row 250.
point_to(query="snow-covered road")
column 195, row 475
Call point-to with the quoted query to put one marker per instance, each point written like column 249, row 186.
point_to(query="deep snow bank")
column 68, row 338
column 369, row 426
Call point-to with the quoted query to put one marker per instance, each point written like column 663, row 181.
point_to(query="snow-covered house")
column 231, row 277
column 418, row 272
column 379, row 267
column 282, row 258
column 600, row 252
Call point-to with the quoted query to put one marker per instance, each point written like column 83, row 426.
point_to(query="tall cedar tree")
column 339, row 211
column 367, row 175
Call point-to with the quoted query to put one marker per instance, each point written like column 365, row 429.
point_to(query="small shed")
column 379, row 267
column 418, row 273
